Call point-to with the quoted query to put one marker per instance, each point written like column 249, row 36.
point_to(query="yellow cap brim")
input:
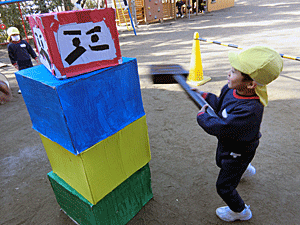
column 235, row 61
column 261, row 91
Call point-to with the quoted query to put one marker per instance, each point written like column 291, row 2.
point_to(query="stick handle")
column 198, row 100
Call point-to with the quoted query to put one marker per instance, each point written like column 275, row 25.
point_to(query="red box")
column 76, row 42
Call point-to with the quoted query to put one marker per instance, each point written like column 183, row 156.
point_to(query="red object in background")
column 2, row 26
column 76, row 42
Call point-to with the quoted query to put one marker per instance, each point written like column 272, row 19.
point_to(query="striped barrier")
column 235, row 46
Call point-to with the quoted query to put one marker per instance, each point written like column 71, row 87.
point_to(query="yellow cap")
column 12, row 31
column 262, row 64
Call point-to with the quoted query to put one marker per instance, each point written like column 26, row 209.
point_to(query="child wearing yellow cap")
column 240, row 109
column 19, row 51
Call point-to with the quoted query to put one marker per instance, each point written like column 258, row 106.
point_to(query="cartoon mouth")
column 99, row 47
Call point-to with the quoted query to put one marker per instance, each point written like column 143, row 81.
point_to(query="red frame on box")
column 51, row 26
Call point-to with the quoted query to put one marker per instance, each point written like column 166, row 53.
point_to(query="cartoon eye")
column 76, row 42
column 41, row 41
column 76, row 53
column 37, row 39
column 94, row 38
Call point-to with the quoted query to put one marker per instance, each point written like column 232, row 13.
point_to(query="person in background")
column 19, row 51
column 78, row 4
column 179, row 4
column 200, row 6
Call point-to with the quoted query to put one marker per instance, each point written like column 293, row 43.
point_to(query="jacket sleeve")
column 241, row 124
column 212, row 99
column 11, row 55
column 31, row 51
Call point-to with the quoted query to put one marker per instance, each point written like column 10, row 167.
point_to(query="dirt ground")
column 182, row 166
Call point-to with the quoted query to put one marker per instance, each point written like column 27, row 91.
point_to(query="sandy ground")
column 182, row 166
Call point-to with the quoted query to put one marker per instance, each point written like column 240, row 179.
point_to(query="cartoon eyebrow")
column 95, row 29
column 72, row 32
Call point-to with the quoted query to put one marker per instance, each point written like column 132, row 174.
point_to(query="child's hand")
column 204, row 108
column 197, row 91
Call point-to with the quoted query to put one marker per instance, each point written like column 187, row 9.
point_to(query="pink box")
column 76, row 42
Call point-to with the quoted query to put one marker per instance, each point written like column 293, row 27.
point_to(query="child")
column 179, row 4
column 240, row 109
column 19, row 51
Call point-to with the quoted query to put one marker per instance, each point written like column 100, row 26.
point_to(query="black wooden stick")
column 197, row 99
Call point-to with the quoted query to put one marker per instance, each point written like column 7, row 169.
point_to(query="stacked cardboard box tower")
column 85, row 102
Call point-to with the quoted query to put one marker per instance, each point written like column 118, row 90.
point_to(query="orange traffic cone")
column 196, row 77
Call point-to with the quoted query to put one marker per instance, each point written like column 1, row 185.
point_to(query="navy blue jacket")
column 239, row 118
column 21, row 54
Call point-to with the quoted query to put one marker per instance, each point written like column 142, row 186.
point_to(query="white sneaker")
column 250, row 171
column 226, row 214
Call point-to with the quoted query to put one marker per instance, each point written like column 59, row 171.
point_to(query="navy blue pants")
column 231, row 172
column 179, row 10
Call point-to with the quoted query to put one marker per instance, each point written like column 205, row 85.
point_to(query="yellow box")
column 98, row 170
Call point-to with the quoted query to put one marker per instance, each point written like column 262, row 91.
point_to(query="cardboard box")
column 118, row 207
column 81, row 111
column 75, row 42
column 98, row 170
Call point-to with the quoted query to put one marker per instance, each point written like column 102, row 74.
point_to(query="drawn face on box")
column 42, row 47
column 84, row 43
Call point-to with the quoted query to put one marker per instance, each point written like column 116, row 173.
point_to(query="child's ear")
column 251, row 85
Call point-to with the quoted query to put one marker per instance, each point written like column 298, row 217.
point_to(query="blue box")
column 81, row 111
